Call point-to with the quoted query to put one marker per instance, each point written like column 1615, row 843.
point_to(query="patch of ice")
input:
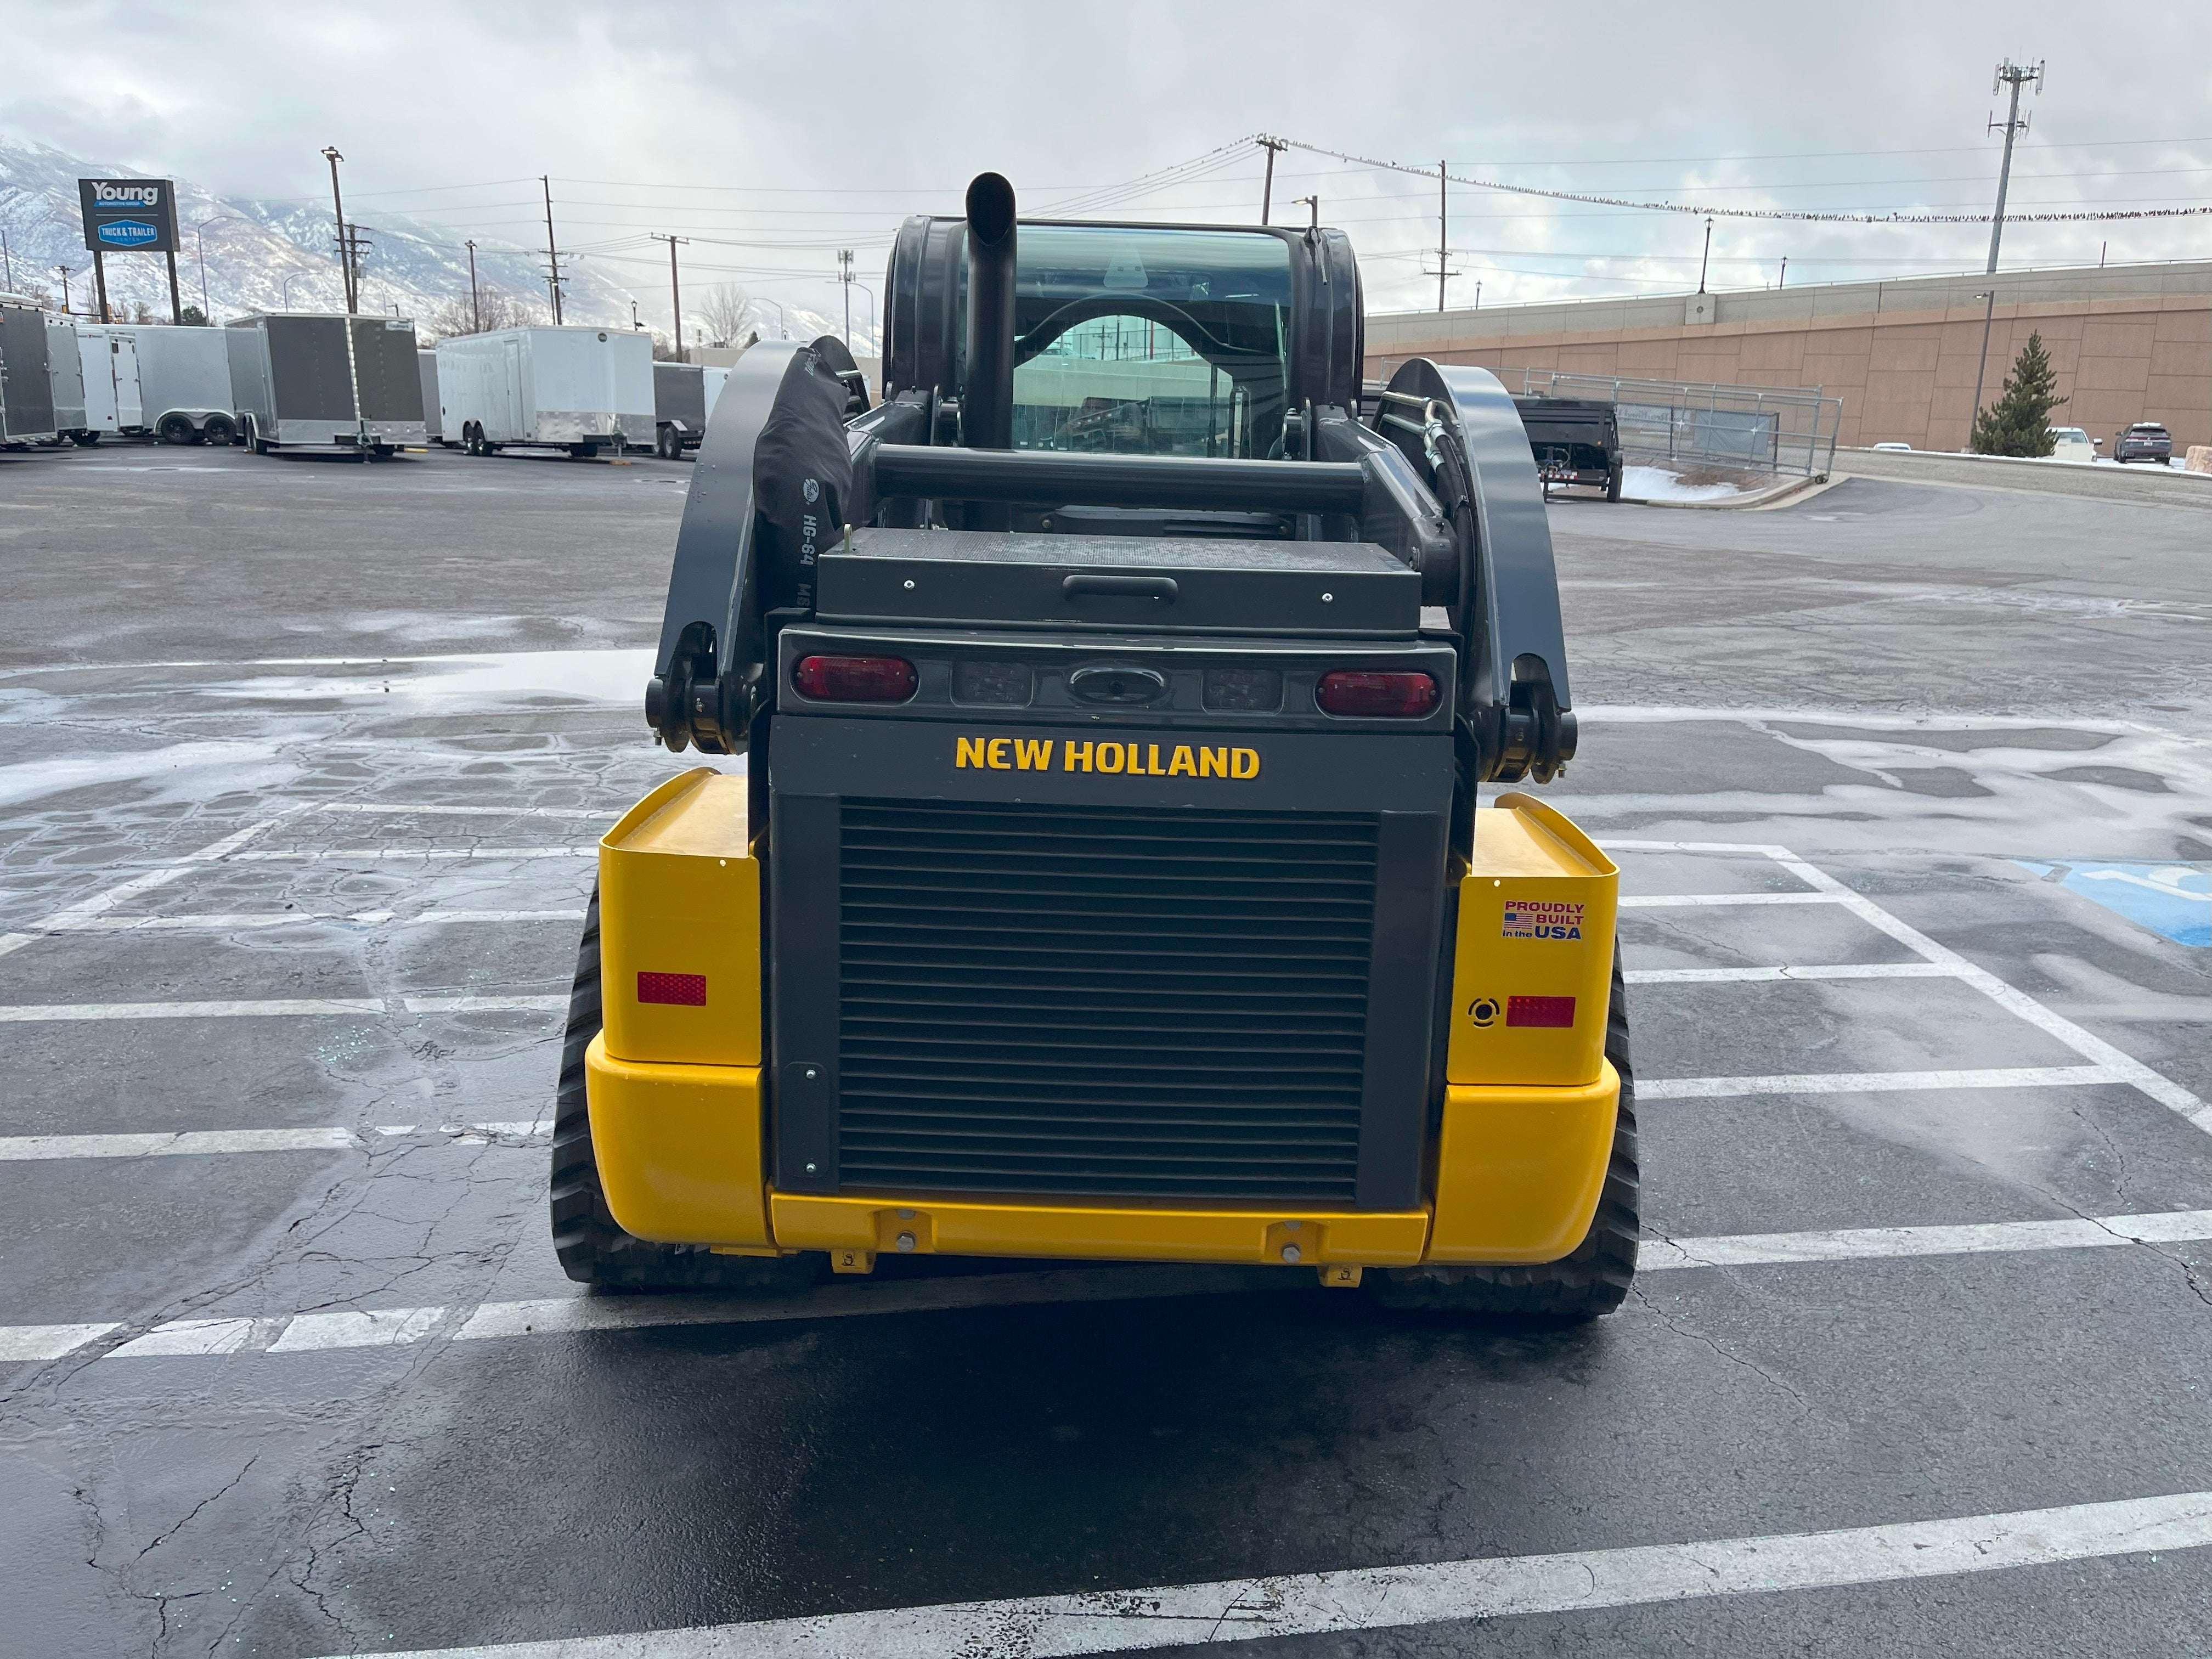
column 601, row 676
column 1657, row 484
column 247, row 766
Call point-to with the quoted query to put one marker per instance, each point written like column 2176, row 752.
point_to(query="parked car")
column 2070, row 443
column 2146, row 440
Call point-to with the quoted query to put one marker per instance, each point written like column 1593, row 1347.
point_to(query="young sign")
column 129, row 216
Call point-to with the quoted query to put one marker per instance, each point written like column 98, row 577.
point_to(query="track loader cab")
column 1107, row 880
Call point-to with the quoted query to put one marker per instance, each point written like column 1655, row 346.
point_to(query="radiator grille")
column 1060, row 1000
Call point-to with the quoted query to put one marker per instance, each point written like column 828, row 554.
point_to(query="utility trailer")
column 582, row 390
column 434, row 430
column 1117, row 871
column 162, row 381
column 26, row 390
column 327, row 383
column 65, row 374
column 1575, row 440
column 679, row 408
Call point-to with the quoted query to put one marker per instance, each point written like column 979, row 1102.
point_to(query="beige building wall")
column 1901, row 355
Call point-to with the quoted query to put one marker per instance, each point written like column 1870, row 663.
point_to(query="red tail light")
column 1349, row 692
column 855, row 679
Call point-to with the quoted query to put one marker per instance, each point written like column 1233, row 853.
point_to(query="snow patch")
column 1658, row 483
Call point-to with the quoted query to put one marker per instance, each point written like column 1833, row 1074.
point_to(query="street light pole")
column 345, row 245
column 1706, row 258
column 845, row 279
column 476, row 305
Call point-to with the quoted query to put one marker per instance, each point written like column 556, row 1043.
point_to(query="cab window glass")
column 1153, row 341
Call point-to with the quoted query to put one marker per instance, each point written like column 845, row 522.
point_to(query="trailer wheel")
column 584, row 452
column 219, row 429
column 590, row 1244
column 1591, row 1281
column 177, row 429
column 1613, row 484
column 84, row 439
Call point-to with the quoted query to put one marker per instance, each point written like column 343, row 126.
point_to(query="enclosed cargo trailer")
column 27, row 393
column 427, row 358
column 579, row 389
column 65, row 374
column 328, row 382
column 164, row 382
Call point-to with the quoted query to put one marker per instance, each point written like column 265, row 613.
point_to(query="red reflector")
column 1348, row 691
column 1540, row 1010
column 855, row 679
column 684, row 990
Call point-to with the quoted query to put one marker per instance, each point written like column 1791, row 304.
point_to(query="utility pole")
column 1989, row 311
column 1706, row 258
column 1785, row 276
column 476, row 305
column 65, row 272
column 7, row 262
column 552, row 250
column 1268, row 190
column 1444, row 234
column 2012, row 75
column 675, row 290
column 337, row 213
column 845, row 278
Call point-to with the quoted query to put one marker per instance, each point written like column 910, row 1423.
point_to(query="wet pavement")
column 289, row 1368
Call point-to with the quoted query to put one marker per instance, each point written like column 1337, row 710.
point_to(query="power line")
column 1697, row 210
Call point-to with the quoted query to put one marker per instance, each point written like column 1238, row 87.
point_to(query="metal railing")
column 1764, row 428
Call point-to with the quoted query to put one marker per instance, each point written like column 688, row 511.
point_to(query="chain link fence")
column 1773, row 430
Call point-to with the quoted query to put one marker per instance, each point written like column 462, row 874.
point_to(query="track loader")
column 1110, row 873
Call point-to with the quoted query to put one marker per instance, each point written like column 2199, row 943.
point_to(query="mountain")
column 278, row 255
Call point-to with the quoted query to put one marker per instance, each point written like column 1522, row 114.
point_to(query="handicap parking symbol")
column 2172, row 899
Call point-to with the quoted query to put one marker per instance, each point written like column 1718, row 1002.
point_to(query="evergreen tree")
column 193, row 317
column 2019, row 422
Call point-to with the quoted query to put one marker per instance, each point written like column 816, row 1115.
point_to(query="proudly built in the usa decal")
column 1554, row 919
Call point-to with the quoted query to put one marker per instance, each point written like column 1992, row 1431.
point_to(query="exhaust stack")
column 987, row 403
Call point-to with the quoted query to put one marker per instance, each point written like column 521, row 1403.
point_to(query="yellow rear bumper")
column 679, row 1149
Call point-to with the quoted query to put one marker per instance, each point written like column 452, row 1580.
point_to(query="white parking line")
column 568, row 1315
column 1852, row 1083
column 225, row 923
column 1868, row 1243
column 19, row 1012
column 596, row 814
column 341, row 855
column 485, row 1004
column 1699, row 901
column 1762, row 976
column 1428, row 1593
column 100, row 903
column 381, row 1327
column 191, row 1143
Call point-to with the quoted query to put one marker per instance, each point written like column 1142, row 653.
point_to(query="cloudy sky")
column 774, row 134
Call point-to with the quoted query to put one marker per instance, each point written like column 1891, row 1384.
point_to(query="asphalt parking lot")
column 301, row 765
